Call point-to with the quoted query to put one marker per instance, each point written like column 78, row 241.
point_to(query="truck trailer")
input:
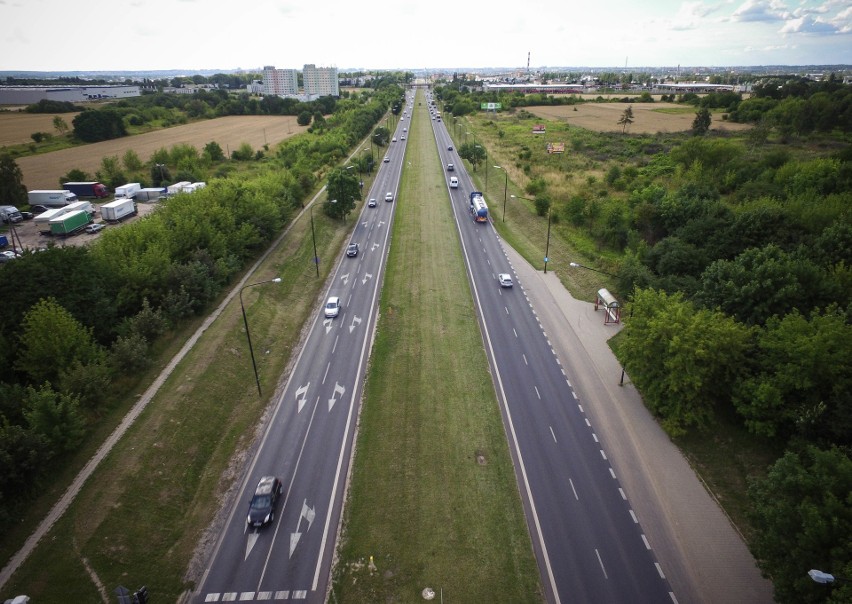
column 50, row 215
column 52, row 199
column 150, row 194
column 129, row 190
column 177, row 187
column 87, row 189
column 86, row 206
column 70, row 223
column 118, row 210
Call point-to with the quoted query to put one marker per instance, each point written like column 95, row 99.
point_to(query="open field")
column 648, row 118
column 44, row 171
column 16, row 127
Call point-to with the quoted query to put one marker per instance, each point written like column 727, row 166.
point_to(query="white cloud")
column 760, row 10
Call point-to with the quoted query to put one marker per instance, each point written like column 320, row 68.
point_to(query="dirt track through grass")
column 433, row 496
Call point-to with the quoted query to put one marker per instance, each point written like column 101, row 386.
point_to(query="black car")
column 38, row 209
column 352, row 250
column 262, row 505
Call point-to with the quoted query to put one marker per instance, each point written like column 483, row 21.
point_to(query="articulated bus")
column 478, row 209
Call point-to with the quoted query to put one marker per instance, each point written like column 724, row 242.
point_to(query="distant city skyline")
column 190, row 35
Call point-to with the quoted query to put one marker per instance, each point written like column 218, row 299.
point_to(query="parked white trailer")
column 86, row 206
column 129, row 190
column 177, row 187
column 51, row 214
column 118, row 210
column 55, row 198
column 150, row 193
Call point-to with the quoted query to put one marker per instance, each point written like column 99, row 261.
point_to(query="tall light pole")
column 547, row 245
column 505, row 190
column 162, row 178
column 314, row 237
column 245, row 322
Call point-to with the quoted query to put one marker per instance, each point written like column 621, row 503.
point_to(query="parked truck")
column 10, row 214
column 150, row 194
column 52, row 199
column 129, row 190
column 87, row 189
column 70, row 223
column 118, row 210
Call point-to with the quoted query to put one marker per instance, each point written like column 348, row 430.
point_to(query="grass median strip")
column 433, row 499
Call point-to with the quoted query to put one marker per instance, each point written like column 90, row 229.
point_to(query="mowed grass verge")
column 433, row 498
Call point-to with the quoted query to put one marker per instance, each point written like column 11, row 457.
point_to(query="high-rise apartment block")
column 320, row 81
column 280, row 82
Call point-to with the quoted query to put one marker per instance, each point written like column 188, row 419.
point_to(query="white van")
column 454, row 182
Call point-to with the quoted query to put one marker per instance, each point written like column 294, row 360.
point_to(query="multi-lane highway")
column 308, row 441
column 588, row 543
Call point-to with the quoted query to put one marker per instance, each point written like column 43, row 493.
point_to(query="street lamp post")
column 547, row 245
column 314, row 238
column 245, row 322
column 162, row 178
column 589, row 268
column 505, row 189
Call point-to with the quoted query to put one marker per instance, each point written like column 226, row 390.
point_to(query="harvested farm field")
column 648, row 118
column 44, row 171
column 17, row 127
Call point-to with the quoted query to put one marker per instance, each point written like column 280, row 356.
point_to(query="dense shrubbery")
column 48, row 106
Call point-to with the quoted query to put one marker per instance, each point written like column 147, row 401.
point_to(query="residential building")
column 280, row 82
column 320, row 81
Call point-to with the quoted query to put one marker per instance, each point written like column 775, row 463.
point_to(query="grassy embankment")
column 433, row 498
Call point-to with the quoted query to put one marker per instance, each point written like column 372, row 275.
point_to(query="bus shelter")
column 610, row 305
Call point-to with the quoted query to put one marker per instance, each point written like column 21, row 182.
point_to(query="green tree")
column 626, row 119
column 683, row 360
column 803, row 383
column 57, row 416
column 12, row 189
column 110, row 172
column 74, row 175
column 381, row 136
column 802, row 516
column 304, row 118
column 99, row 125
column 51, row 338
column 60, row 125
column 131, row 161
column 343, row 191
column 701, row 123
column 213, row 151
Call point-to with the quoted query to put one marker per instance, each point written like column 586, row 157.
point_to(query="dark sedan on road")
column 262, row 505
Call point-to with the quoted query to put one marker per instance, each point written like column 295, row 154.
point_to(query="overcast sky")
column 63, row 35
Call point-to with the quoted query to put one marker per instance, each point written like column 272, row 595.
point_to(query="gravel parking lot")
column 28, row 231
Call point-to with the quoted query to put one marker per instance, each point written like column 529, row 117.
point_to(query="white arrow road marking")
column 356, row 321
column 365, row 223
column 252, row 539
column 338, row 389
column 300, row 392
column 327, row 324
column 375, row 245
column 345, row 278
column 381, row 223
column 367, row 277
column 308, row 514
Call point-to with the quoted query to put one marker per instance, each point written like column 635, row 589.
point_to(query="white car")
column 388, row 196
column 332, row 307
column 372, row 202
column 387, row 159
column 505, row 279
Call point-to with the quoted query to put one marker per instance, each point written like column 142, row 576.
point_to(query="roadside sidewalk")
column 701, row 553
